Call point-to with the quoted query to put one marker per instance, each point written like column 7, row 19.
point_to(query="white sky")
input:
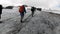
column 37, row 3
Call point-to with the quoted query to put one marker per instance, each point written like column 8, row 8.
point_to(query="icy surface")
column 43, row 22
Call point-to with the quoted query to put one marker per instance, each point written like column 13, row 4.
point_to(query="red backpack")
column 21, row 9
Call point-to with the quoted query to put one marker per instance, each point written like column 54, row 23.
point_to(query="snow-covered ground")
column 57, row 11
column 42, row 23
column 10, row 20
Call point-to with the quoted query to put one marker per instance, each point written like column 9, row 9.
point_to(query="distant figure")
column 39, row 9
column 22, row 11
column 0, row 11
column 33, row 10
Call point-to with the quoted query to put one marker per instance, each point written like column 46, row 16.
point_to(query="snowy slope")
column 42, row 23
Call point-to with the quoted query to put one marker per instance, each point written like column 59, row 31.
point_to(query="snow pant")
column 0, row 13
column 0, row 16
column 22, row 15
column 33, row 13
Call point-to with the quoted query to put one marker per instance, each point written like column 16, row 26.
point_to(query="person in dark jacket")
column 0, row 11
column 24, row 8
column 33, row 10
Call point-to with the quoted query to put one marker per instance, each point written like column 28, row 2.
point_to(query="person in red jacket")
column 22, row 10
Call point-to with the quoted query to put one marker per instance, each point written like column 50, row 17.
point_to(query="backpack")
column 21, row 9
column 33, row 8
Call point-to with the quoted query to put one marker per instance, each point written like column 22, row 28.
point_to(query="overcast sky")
column 37, row 3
